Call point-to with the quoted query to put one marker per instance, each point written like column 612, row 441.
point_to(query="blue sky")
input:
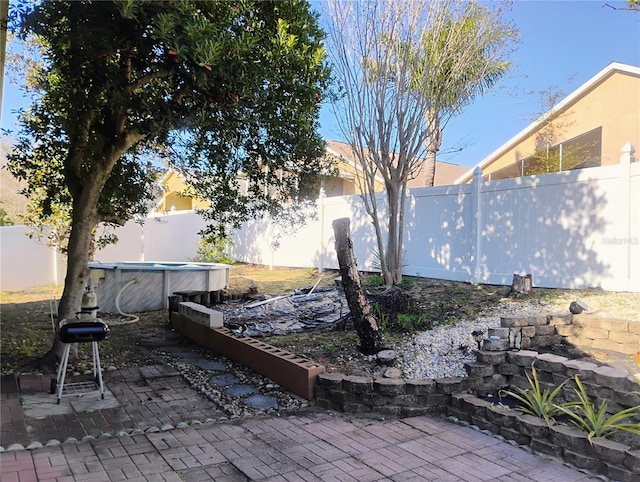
column 562, row 44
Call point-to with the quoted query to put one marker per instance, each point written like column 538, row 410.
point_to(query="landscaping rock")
column 389, row 386
column 392, row 373
column 612, row 452
column 632, row 461
column 581, row 460
column 386, row 357
column 532, row 426
column 422, row 386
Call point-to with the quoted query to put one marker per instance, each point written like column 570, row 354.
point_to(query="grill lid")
column 79, row 331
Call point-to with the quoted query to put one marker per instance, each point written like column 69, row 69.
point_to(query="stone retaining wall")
column 498, row 365
column 603, row 383
column 494, row 370
column 614, row 459
column 586, row 330
column 386, row 396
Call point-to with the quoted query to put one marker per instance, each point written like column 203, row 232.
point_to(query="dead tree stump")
column 364, row 322
column 521, row 284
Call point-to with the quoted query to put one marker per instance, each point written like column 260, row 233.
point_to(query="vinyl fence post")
column 629, row 242
column 321, row 197
column 476, row 227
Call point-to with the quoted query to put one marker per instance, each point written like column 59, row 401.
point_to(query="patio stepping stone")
column 224, row 380
column 186, row 355
column 210, row 365
column 261, row 401
column 240, row 390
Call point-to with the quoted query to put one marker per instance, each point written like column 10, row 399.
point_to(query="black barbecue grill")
column 80, row 331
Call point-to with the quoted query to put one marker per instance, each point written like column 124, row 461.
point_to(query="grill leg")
column 97, row 371
column 62, row 370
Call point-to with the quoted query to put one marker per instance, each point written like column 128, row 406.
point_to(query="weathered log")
column 364, row 322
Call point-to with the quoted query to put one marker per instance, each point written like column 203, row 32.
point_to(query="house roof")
column 571, row 99
column 446, row 172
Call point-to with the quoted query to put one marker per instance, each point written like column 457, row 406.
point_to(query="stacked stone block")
column 490, row 372
column 614, row 459
column 386, row 396
column 535, row 331
column 586, row 330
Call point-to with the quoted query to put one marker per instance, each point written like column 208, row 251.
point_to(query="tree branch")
column 113, row 219
column 145, row 79
column 632, row 9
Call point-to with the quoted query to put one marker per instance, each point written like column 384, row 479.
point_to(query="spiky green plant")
column 597, row 423
column 381, row 316
column 535, row 400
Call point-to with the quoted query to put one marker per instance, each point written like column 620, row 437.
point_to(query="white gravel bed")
column 443, row 351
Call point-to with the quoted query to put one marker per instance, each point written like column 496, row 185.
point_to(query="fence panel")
column 557, row 227
column 173, row 237
column 362, row 231
column 572, row 229
column 27, row 262
column 130, row 245
column 438, row 234
column 633, row 237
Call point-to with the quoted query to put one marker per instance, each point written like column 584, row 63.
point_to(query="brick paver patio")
column 144, row 438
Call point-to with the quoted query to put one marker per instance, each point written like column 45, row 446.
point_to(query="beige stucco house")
column 586, row 129
column 175, row 196
column 345, row 181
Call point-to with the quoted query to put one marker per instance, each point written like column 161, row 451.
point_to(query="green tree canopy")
column 214, row 88
column 5, row 220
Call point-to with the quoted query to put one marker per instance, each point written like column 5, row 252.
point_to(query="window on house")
column 579, row 152
column 512, row 170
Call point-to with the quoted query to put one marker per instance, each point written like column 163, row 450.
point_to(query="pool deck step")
column 296, row 374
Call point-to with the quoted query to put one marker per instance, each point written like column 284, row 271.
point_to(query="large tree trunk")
column 85, row 191
column 364, row 322
column 84, row 220
column 393, row 276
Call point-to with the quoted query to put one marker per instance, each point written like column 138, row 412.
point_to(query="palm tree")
column 454, row 65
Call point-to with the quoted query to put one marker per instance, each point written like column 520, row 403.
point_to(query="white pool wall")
column 154, row 283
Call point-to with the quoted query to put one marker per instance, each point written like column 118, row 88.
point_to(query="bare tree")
column 403, row 67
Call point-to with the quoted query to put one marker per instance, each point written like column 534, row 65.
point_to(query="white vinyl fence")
column 572, row 229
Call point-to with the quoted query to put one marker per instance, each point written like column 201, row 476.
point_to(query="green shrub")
column 372, row 281
column 410, row 322
column 211, row 249
column 381, row 316
column 597, row 423
column 536, row 400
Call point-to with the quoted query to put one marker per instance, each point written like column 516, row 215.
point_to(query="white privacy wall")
column 173, row 237
column 440, row 224
column 572, row 229
column 27, row 262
